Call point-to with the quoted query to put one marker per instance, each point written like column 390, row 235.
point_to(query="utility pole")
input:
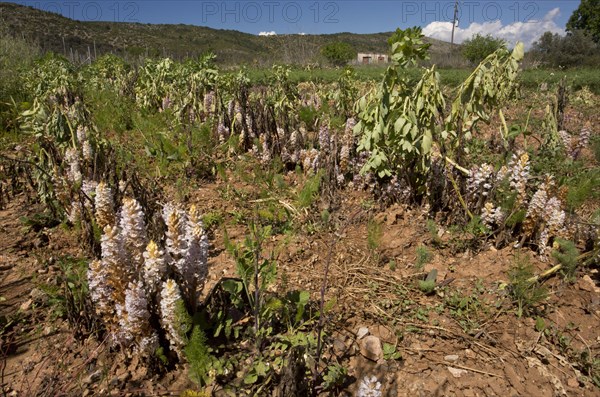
column 454, row 20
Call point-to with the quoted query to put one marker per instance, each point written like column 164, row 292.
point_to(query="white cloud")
column 526, row 32
column 271, row 33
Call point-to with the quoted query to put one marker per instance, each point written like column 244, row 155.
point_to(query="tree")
column 478, row 47
column 575, row 49
column 587, row 18
column 338, row 53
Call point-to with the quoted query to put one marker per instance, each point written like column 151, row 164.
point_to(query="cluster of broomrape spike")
column 573, row 149
column 138, row 287
column 544, row 217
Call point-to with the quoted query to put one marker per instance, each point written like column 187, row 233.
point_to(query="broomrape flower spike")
column 81, row 134
column 113, row 261
column 554, row 219
column 100, row 291
column 133, row 229
column 347, row 144
column 519, row 174
column 310, row 160
column 266, row 151
column 479, row 183
column 193, row 264
column 209, row 100
column 294, row 146
column 537, row 203
column 105, row 211
column 545, row 212
column 86, row 147
column 197, row 234
column 349, row 132
column 584, row 138
column 324, row 139
column 230, row 108
column 89, row 187
column 176, row 242
column 490, row 215
column 369, row 387
column 134, row 320
column 566, row 141
column 170, row 295
column 155, row 267
column 87, row 151
column 250, row 126
column 74, row 214
column 222, row 133
column 74, row 171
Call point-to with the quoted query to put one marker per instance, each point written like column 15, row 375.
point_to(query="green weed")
column 199, row 358
column 433, row 230
column 335, row 377
column 566, row 254
column 310, row 191
column 374, row 234
column 525, row 293
column 427, row 286
column 424, row 256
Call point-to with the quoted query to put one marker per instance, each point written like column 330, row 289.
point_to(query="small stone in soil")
column 457, row 372
column 451, row 358
column 370, row 348
column 25, row 305
column 339, row 347
column 362, row 332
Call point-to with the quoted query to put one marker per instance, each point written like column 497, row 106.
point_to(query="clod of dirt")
column 370, row 347
column 543, row 370
column 587, row 284
column 38, row 296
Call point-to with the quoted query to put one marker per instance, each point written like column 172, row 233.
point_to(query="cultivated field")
column 172, row 228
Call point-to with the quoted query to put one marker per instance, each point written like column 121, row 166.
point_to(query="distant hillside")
column 77, row 40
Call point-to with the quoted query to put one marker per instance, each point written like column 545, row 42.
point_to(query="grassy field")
column 528, row 78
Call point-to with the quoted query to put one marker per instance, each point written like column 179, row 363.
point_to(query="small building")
column 368, row 59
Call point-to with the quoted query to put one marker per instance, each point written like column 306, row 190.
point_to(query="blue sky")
column 507, row 19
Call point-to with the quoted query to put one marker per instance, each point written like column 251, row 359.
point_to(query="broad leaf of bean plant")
column 399, row 122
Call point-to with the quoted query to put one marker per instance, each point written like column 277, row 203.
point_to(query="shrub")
column 338, row 53
column 478, row 47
